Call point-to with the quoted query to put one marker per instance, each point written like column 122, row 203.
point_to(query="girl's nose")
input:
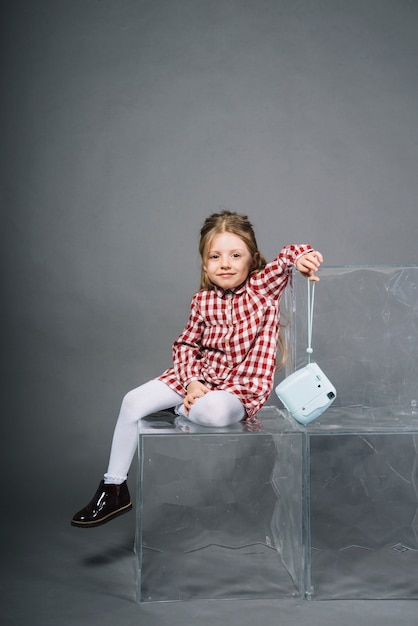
column 225, row 262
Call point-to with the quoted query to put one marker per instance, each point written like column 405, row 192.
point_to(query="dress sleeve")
column 187, row 347
column 273, row 278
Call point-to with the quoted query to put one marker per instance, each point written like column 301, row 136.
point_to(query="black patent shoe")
column 108, row 502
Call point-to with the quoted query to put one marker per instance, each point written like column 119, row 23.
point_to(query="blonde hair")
column 231, row 222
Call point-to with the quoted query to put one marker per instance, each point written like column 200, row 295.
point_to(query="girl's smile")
column 228, row 261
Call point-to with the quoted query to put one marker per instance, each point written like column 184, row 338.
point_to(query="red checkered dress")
column 230, row 339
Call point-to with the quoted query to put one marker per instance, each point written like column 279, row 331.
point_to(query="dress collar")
column 230, row 293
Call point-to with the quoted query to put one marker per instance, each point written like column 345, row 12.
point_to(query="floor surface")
column 53, row 574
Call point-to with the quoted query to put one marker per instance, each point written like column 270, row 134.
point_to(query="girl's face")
column 228, row 261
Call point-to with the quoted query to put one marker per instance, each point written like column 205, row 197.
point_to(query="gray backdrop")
column 125, row 123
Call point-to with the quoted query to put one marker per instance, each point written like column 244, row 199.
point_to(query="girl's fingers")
column 191, row 398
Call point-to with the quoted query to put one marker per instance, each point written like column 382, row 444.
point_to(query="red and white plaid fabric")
column 230, row 339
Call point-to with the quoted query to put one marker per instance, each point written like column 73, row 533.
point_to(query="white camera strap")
column 311, row 299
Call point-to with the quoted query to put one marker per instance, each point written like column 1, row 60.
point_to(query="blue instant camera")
column 306, row 393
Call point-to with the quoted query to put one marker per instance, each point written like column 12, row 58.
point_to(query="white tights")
column 215, row 409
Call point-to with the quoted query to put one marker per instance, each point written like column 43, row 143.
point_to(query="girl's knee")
column 217, row 410
column 130, row 409
column 128, row 400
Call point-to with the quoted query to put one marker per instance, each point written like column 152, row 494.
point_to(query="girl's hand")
column 309, row 263
column 194, row 390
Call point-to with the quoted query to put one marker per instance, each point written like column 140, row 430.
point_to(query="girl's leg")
column 216, row 409
column 112, row 496
column 138, row 403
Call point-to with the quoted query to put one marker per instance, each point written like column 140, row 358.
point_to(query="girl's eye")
column 236, row 255
column 214, row 256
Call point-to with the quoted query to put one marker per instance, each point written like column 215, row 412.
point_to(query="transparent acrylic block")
column 365, row 338
column 362, row 469
column 220, row 510
column 363, row 516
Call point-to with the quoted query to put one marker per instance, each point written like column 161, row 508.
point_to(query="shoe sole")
column 103, row 520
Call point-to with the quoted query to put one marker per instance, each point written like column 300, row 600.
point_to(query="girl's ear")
column 256, row 257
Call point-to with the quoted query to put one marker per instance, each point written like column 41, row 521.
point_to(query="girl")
column 223, row 361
